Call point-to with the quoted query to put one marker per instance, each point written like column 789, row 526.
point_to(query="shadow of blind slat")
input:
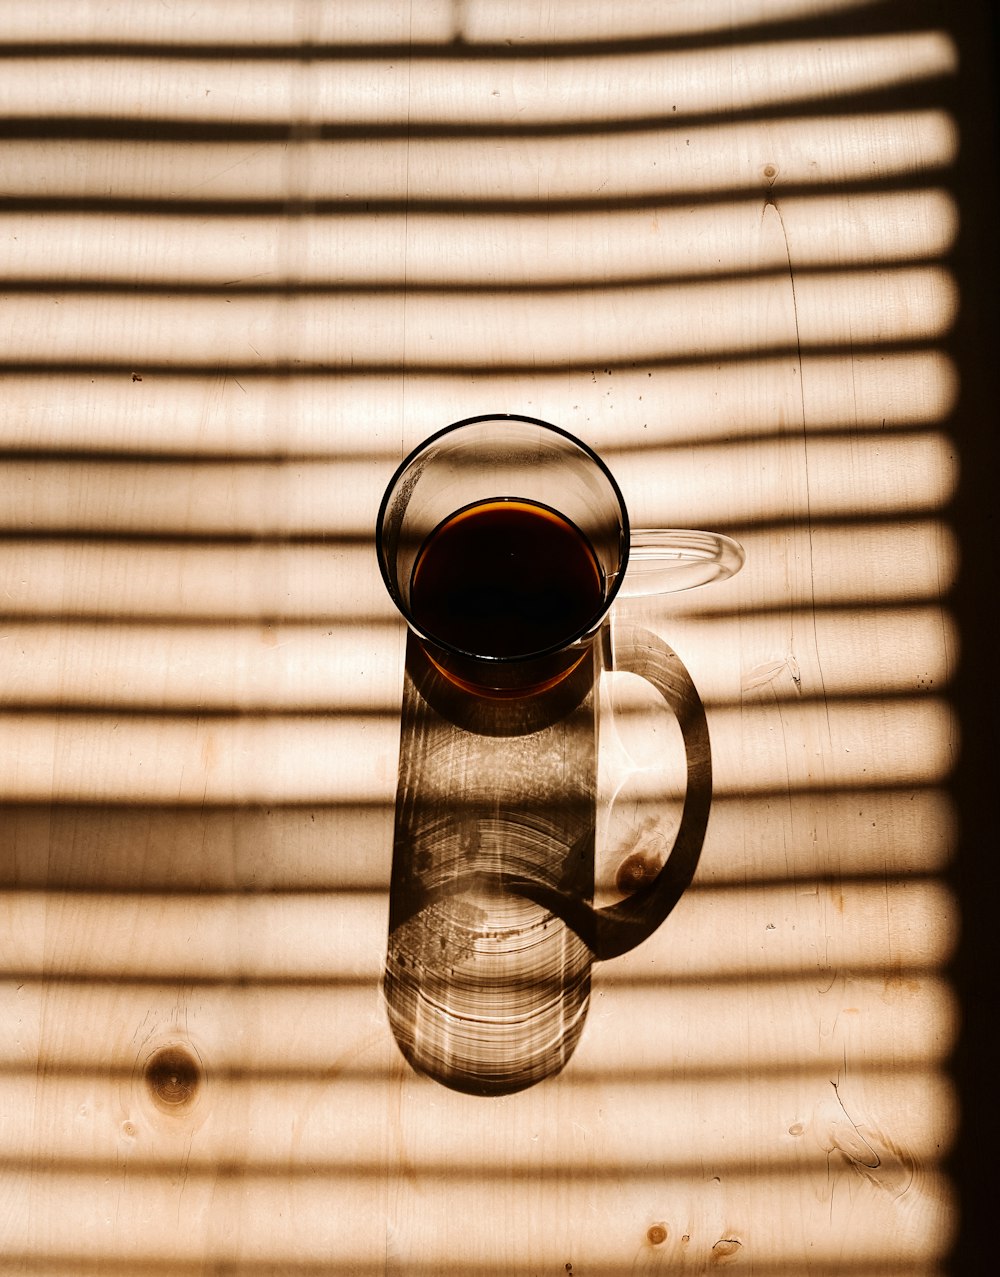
column 359, row 1244
column 269, row 24
column 318, row 1032
column 705, row 162
column 289, row 666
column 621, row 1148
column 583, row 329
column 869, row 564
column 163, row 848
column 465, row 94
column 529, row 250
column 264, row 413
column 333, row 500
column 891, row 924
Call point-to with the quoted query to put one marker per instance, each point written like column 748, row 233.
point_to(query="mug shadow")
column 486, row 990
column 492, row 929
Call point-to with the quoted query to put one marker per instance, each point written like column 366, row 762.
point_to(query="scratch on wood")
column 770, row 173
column 871, row 1154
column 768, row 671
column 850, row 1141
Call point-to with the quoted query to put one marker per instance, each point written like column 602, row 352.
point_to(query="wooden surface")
column 252, row 254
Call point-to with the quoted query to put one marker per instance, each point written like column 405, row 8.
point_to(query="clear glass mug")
column 504, row 542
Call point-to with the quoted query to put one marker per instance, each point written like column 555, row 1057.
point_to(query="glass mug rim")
column 579, row 633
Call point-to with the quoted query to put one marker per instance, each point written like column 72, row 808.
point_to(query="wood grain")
column 248, row 263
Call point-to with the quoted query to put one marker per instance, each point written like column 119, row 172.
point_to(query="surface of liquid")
column 505, row 578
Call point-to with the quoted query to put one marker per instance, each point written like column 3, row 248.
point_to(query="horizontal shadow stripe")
column 223, row 540
column 878, row 18
column 635, row 1073
column 244, row 708
column 742, row 881
column 360, row 206
column 387, row 459
column 38, row 533
column 107, row 805
column 443, row 1174
column 453, row 369
column 45, row 1263
column 874, row 17
column 68, row 285
column 892, row 98
column 112, row 616
column 42, row 844
column 912, row 391
column 776, row 696
column 778, row 977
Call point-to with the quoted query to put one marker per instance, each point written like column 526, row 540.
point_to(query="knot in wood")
column 173, row 1076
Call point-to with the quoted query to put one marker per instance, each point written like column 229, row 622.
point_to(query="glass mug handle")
column 662, row 560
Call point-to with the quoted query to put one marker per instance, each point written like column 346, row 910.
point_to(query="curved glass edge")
column 666, row 560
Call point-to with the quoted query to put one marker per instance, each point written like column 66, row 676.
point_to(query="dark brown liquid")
column 505, row 578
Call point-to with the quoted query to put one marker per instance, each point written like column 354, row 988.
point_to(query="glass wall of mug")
column 503, row 541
